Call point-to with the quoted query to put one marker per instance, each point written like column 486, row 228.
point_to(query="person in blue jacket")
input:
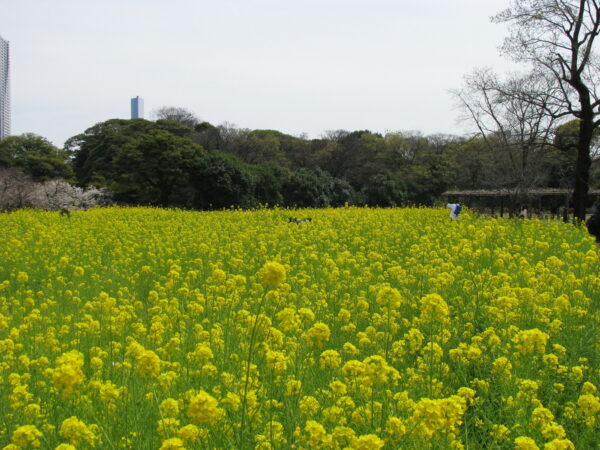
column 455, row 209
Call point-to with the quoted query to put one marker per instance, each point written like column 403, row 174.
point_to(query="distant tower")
column 137, row 108
column 4, row 89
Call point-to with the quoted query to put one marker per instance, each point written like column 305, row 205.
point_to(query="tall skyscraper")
column 4, row 89
column 137, row 108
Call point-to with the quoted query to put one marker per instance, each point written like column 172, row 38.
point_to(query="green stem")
column 248, row 365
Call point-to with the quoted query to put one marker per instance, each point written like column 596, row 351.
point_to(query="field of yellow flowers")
column 144, row 328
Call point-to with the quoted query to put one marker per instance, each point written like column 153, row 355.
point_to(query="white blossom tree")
column 18, row 190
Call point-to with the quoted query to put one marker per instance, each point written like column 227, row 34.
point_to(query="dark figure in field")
column 299, row 221
column 65, row 212
column 593, row 224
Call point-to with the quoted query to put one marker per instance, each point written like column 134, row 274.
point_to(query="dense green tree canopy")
column 204, row 166
column 155, row 169
column 35, row 156
column 208, row 136
column 220, row 181
column 384, row 190
column 140, row 161
column 316, row 188
column 93, row 150
column 268, row 180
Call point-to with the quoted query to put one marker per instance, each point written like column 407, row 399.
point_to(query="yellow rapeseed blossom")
column 273, row 273
column 65, row 447
column 541, row 416
column 553, row 430
column 167, row 426
column 316, row 433
column 590, row 408
column 525, row 443
column 318, row 335
column 27, row 435
column 203, row 408
column 169, row 407
column 276, row 361
column 172, row 444
column 588, row 388
column 188, row 433
column 293, row 387
column 201, row 354
column 500, row 432
column 559, row 444
column 389, row 297
column 531, row 341
column 68, row 372
column 232, row 402
column 432, row 418
column 376, row 371
column 147, row 364
column 77, row 432
column 309, row 405
column 22, row 277
column 338, row 387
column 330, row 359
column 368, row 442
column 433, row 309
column 395, row 428
column 289, row 320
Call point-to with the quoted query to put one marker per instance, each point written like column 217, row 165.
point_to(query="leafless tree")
column 516, row 130
column 557, row 38
column 231, row 136
column 335, row 135
column 403, row 147
column 177, row 114
column 16, row 189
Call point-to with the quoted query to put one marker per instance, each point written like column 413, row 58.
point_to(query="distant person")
column 523, row 213
column 455, row 209
column 299, row 221
column 593, row 224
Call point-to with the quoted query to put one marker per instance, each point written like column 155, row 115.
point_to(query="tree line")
column 180, row 161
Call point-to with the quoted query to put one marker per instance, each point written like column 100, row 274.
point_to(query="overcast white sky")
column 297, row 66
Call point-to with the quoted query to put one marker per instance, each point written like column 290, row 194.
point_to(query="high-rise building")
column 137, row 108
column 4, row 89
